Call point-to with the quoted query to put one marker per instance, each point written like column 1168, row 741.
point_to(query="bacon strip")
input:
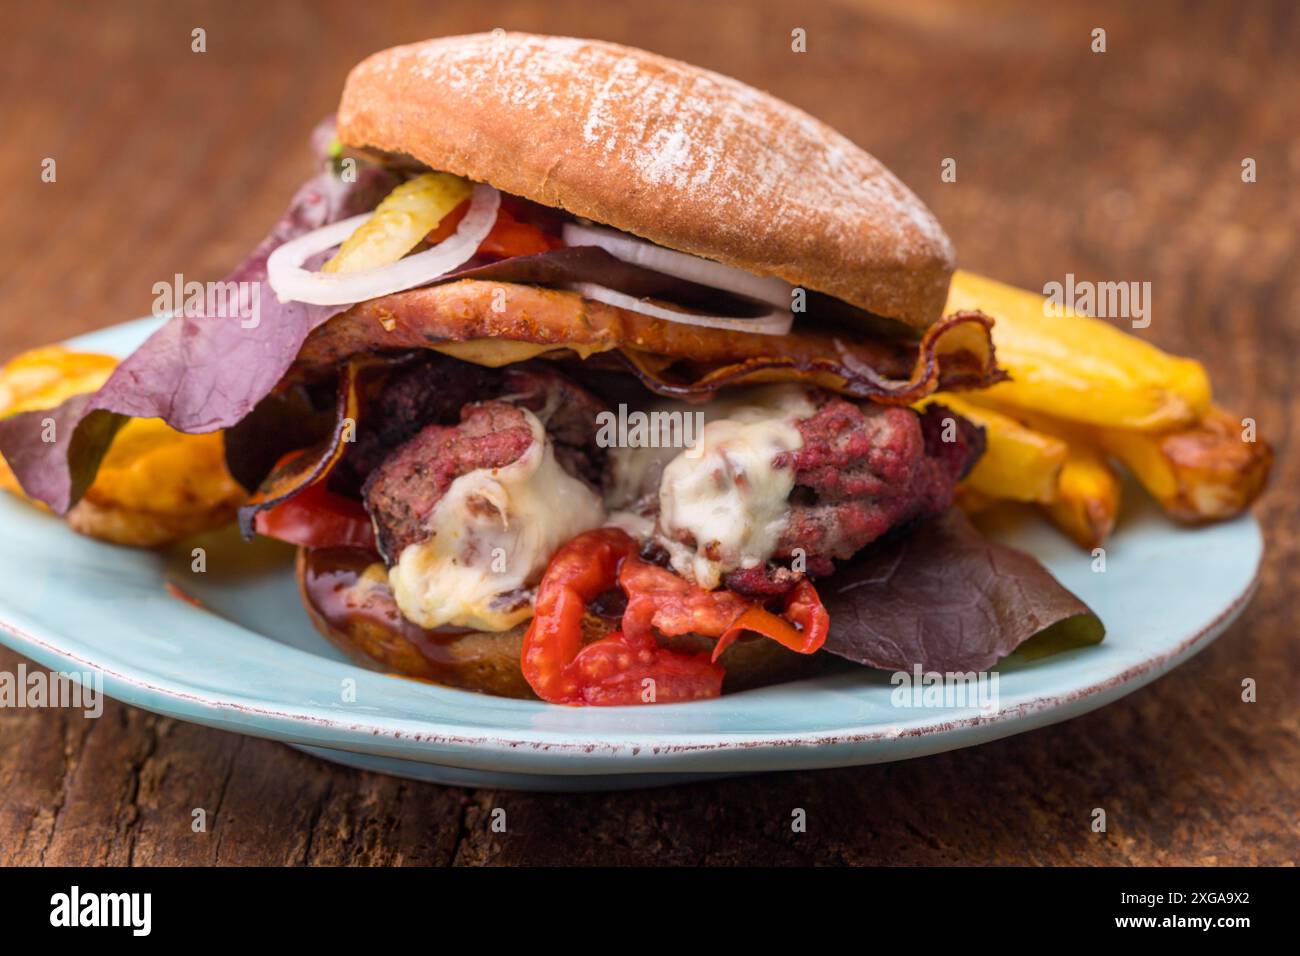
column 955, row 353
column 315, row 462
column 670, row 358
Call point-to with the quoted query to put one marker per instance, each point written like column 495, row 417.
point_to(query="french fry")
column 154, row 484
column 1087, row 497
column 152, row 467
column 44, row 377
column 1205, row 471
column 1107, row 393
column 1079, row 369
column 1088, row 487
column 1019, row 464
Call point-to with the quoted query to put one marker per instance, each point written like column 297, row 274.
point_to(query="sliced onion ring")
column 291, row 281
column 620, row 245
column 776, row 322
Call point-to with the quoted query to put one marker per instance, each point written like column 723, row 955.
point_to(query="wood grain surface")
column 1120, row 165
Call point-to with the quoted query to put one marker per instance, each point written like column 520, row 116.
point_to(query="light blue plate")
column 249, row 661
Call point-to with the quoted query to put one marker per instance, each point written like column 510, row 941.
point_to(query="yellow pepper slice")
column 400, row 222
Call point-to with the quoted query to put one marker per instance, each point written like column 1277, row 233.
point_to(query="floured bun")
column 682, row 156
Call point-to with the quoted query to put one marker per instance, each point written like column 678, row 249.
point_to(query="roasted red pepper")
column 659, row 599
column 622, row 668
column 317, row 518
column 629, row 666
column 802, row 626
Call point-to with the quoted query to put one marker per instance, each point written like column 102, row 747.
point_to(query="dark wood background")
column 1122, row 165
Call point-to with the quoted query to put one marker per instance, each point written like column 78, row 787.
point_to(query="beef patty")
column 401, row 491
column 862, row 470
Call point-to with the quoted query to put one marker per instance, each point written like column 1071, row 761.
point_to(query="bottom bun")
column 348, row 600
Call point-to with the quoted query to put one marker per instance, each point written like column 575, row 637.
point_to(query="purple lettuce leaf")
column 199, row 372
column 946, row 598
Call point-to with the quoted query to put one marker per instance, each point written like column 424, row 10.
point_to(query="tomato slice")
column 318, row 518
column 509, row 237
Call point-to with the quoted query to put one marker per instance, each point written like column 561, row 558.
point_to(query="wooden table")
column 1117, row 165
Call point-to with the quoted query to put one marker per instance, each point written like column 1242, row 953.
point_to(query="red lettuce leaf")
column 944, row 597
column 198, row 373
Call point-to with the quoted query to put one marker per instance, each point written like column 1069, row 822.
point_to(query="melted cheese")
column 497, row 353
column 632, row 475
column 727, row 495
column 492, row 534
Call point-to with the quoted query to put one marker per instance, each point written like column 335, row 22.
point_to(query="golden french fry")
column 143, row 529
column 1211, row 469
column 1088, row 487
column 1019, row 464
column 152, row 467
column 44, row 377
column 154, row 485
column 1087, row 497
column 1079, row 369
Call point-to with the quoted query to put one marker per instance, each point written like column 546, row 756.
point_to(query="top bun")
column 682, row 156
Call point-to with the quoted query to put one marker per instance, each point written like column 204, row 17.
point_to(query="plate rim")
column 681, row 742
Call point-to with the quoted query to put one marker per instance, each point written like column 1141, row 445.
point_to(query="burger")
column 584, row 374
